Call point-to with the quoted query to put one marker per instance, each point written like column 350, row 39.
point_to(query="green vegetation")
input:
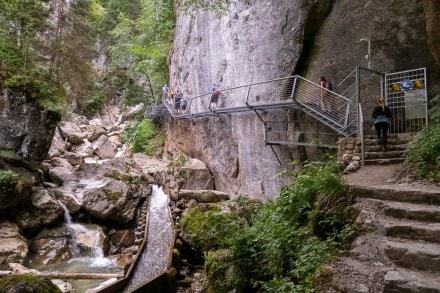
column 8, row 178
column 210, row 228
column 7, row 154
column 278, row 246
column 219, row 7
column 144, row 137
column 424, row 152
column 95, row 100
column 141, row 33
column 34, row 283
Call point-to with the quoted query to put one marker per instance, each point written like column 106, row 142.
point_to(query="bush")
column 8, row 178
column 209, row 228
column 144, row 137
column 424, row 152
column 286, row 240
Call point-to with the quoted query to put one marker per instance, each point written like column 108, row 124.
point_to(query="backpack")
column 329, row 86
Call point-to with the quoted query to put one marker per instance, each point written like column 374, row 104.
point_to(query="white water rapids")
column 154, row 259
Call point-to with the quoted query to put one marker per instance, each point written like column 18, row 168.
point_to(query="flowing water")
column 87, row 254
column 154, row 259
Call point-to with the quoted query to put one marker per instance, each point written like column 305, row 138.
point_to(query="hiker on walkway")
column 165, row 90
column 215, row 93
column 183, row 105
column 177, row 99
column 325, row 107
column 382, row 120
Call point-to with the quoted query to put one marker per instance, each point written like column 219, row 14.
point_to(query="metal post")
column 358, row 109
column 369, row 50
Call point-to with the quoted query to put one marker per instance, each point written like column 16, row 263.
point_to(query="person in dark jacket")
column 382, row 120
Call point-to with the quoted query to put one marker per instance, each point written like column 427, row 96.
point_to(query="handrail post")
column 361, row 134
column 247, row 96
column 293, row 87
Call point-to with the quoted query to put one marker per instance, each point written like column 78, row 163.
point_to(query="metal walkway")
column 293, row 92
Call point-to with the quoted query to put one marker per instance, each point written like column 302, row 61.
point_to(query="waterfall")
column 120, row 151
column 85, row 238
column 67, row 217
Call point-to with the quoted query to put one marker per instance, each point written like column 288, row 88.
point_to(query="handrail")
column 361, row 133
column 294, row 92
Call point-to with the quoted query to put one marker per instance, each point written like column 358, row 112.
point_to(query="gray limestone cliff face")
column 26, row 129
column 256, row 42
column 263, row 40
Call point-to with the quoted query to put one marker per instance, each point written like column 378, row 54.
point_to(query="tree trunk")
column 432, row 14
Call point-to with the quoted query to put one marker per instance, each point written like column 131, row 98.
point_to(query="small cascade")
column 120, row 151
column 85, row 242
column 69, row 225
column 119, row 120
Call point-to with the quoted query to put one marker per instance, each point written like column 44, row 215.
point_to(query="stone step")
column 414, row 255
column 390, row 147
column 429, row 232
column 387, row 161
column 410, row 211
column 414, row 194
column 380, row 154
column 404, row 281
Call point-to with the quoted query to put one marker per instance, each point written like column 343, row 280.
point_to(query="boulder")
column 14, row 192
column 130, row 112
column 13, row 246
column 57, row 146
column 67, row 197
column 74, row 159
column 42, row 210
column 72, row 132
column 26, row 128
column 61, row 171
column 110, row 199
column 196, row 175
column 90, row 239
column 123, row 238
column 84, row 150
column 95, row 132
column 51, row 246
column 104, row 148
column 203, row 196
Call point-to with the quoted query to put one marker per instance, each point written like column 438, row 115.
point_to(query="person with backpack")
column 382, row 120
column 177, row 99
column 215, row 93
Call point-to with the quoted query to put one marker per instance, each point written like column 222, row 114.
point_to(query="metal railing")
column 276, row 93
column 331, row 108
column 296, row 92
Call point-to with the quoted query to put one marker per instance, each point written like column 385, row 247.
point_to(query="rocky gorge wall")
column 259, row 41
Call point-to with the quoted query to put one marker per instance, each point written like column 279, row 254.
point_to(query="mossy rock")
column 27, row 283
column 74, row 139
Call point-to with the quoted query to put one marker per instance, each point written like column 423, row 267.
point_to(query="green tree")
column 20, row 22
column 141, row 44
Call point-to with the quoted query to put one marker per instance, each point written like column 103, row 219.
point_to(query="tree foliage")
column 20, row 22
column 141, row 42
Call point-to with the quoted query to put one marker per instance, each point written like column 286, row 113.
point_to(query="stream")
column 154, row 259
